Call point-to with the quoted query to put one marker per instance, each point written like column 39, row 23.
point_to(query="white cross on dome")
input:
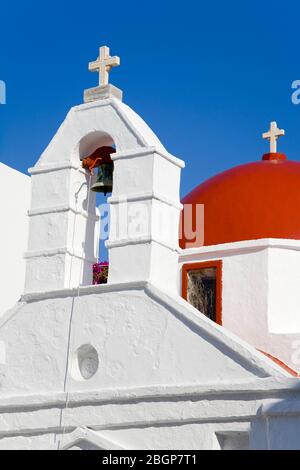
column 273, row 135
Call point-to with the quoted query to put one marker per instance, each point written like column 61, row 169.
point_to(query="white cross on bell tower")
column 273, row 135
column 104, row 64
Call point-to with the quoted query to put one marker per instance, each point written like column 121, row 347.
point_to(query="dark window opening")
column 201, row 291
column 233, row 441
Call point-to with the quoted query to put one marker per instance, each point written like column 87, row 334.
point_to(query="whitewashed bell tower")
column 145, row 204
column 131, row 364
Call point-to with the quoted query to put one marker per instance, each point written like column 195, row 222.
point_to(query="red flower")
column 100, row 272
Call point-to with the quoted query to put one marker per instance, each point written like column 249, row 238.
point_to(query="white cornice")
column 84, row 290
column 247, row 246
column 264, row 387
column 134, row 153
column 55, row 167
column 280, row 408
column 140, row 240
column 57, row 251
column 63, row 208
column 144, row 197
column 140, row 406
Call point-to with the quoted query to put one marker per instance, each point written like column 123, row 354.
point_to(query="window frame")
column 218, row 264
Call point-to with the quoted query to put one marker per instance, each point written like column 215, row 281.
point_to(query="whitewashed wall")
column 284, row 292
column 156, row 362
column 131, row 361
column 15, row 200
column 260, row 293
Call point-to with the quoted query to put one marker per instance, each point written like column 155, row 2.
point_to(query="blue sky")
column 206, row 76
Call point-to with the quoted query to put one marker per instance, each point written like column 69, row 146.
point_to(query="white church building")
column 194, row 341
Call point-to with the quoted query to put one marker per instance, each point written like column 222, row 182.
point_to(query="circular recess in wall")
column 86, row 362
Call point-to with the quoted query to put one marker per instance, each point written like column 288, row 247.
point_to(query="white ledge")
column 281, row 407
column 57, row 251
column 92, row 104
column 262, row 387
column 239, row 247
column 83, row 290
column 144, row 197
column 55, row 167
column 134, row 153
column 63, row 208
column 140, row 240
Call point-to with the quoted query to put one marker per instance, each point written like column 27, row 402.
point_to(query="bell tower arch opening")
column 89, row 143
column 94, row 153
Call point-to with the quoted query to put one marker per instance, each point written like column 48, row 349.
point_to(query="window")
column 201, row 287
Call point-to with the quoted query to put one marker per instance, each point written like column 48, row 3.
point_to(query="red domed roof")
column 248, row 202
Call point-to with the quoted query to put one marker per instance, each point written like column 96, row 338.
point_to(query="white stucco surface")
column 152, row 349
column 15, row 201
column 131, row 364
column 63, row 219
column 284, row 292
column 260, row 293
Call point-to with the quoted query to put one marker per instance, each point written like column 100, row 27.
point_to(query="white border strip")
column 238, row 247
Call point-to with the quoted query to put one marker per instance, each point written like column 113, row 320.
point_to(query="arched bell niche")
column 86, row 147
column 92, row 141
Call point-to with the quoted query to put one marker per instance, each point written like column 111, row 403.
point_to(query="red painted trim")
column 280, row 363
column 206, row 264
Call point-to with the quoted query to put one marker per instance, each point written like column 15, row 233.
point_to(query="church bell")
column 101, row 159
column 104, row 180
